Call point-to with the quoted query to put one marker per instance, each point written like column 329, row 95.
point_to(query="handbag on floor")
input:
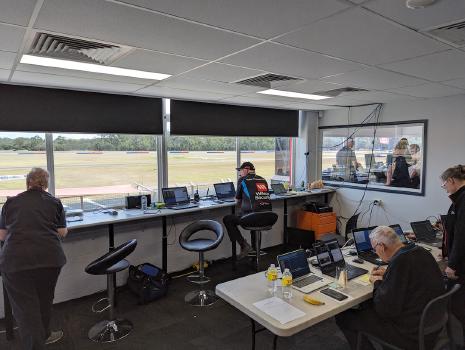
column 148, row 282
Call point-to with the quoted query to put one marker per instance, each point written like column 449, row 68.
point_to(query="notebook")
column 363, row 245
column 225, row 191
column 177, row 198
column 279, row 190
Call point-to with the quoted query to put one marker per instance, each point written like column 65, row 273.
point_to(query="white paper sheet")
column 279, row 309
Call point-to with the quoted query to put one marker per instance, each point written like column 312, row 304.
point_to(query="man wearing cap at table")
column 251, row 196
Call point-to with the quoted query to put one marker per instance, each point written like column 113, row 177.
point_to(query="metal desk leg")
column 234, row 246
column 255, row 331
column 111, row 246
column 164, row 244
column 8, row 316
column 285, row 238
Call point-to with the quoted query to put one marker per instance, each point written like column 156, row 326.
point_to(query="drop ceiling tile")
column 168, row 92
column 262, row 18
column 4, row 74
column 16, row 11
column 208, row 85
column 281, row 59
column 259, row 102
column 442, row 12
column 460, row 83
column 430, row 90
column 311, row 106
column 11, row 37
column 157, row 62
column 377, row 96
column 222, row 72
column 7, row 59
column 72, row 82
column 310, row 86
column 364, row 37
column 373, row 79
column 81, row 74
column 340, row 101
column 440, row 66
column 104, row 20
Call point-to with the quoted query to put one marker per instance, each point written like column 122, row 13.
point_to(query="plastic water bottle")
column 272, row 276
column 286, row 283
column 143, row 202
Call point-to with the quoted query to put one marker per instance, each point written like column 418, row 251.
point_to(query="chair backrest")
column 259, row 221
column 100, row 265
column 435, row 315
column 202, row 225
column 351, row 224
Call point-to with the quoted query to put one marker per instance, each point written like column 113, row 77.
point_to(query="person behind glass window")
column 31, row 225
column 414, row 169
column 397, row 173
column 346, row 159
column 453, row 249
column 249, row 198
column 400, row 293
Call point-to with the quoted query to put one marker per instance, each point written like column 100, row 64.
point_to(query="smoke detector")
column 418, row 4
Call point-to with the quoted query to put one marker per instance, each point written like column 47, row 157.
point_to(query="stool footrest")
column 94, row 305
column 201, row 298
column 108, row 331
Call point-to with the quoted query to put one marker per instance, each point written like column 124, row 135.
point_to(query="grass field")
column 120, row 168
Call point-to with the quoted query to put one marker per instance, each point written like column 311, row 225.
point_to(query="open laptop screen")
column 398, row 230
column 336, row 253
column 296, row 262
column 175, row 195
column 278, row 188
column 362, row 239
column 224, row 190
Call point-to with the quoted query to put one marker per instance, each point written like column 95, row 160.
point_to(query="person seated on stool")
column 401, row 291
column 31, row 225
column 251, row 196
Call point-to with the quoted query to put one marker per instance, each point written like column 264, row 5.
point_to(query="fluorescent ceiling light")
column 292, row 94
column 90, row 67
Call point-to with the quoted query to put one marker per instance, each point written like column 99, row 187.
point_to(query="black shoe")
column 245, row 250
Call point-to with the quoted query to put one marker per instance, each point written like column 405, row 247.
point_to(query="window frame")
column 367, row 187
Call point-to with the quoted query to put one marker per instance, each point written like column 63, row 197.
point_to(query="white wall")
column 445, row 147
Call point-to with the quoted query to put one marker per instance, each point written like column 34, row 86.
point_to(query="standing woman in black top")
column 31, row 225
column 454, row 235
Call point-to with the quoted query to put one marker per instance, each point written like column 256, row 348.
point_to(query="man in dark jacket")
column 251, row 196
column 400, row 293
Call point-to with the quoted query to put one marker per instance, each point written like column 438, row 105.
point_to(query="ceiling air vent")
column 61, row 47
column 337, row 92
column 266, row 80
column 453, row 34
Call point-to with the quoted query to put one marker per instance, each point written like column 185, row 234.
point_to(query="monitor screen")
column 336, row 253
column 175, row 195
column 324, row 259
column 224, row 190
column 278, row 188
column 362, row 239
column 296, row 262
column 398, row 230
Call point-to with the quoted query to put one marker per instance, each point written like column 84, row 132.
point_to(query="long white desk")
column 243, row 292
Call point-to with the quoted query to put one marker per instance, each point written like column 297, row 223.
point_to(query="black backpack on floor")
column 148, row 282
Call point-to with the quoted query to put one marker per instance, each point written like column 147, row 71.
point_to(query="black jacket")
column 411, row 280
column 455, row 233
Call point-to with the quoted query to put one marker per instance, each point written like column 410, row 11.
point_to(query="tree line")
column 111, row 142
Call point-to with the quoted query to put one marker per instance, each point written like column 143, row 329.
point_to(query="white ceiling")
column 208, row 45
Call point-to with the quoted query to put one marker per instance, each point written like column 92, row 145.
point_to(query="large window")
column 271, row 156
column 96, row 170
column 19, row 152
column 386, row 157
column 199, row 162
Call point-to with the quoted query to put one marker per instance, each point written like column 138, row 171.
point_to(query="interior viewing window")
column 271, row 156
column 98, row 171
column 383, row 157
column 19, row 152
column 199, row 161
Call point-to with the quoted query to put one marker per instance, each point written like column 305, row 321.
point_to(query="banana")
column 313, row 301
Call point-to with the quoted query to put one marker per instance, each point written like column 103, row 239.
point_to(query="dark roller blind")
column 196, row 118
column 26, row 108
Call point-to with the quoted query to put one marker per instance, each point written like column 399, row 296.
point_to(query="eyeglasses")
column 377, row 244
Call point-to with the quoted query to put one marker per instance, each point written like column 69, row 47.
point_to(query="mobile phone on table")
column 334, row 294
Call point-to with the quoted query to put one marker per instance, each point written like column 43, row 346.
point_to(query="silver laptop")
column 225, row 191
column 279, row 190
column 303, row 280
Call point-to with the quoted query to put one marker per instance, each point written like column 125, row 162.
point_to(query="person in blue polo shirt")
column 251, row 196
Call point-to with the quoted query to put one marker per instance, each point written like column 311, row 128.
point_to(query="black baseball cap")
column 246, row 165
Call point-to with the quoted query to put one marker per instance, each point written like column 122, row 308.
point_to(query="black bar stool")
column 113, row 329
column 202, row 297
column 256, row 223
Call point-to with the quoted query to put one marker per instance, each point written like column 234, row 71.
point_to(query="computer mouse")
column 358, row 261
column 314, row 262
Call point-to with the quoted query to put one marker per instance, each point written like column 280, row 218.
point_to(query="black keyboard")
column 186, row 206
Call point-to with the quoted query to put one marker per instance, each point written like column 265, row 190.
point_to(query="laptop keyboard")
column 306, row 281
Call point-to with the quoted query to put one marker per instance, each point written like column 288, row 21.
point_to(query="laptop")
column 303, row 280
column 363, row 245
column 279, row 190
column 177, row 198
column 425, row 232
column 225, row 191
column 332, row 257
column 398, row 230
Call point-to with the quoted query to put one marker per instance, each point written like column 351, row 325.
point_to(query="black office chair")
column 113, row 329
column 428, row 323
column 203, row 297
column 256, row 223
column 351, row 224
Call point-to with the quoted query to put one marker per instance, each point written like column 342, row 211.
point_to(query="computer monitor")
column 175, row 195
column 398, row 230
column 370, row 160
column 224, row 190
column 362, row 239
